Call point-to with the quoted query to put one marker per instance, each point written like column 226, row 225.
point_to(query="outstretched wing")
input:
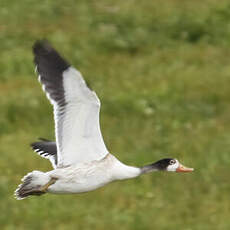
column 76, row 108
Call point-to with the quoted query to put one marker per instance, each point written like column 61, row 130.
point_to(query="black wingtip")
column 40, row 140
column 47, row 58
column 33, row 145
column 42, row 45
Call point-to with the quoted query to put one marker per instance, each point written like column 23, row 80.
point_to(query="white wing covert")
column 76, row 108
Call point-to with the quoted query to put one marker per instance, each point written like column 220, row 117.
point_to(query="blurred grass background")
column 161, row 70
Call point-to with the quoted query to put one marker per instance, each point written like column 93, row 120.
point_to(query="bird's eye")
column 172, row 162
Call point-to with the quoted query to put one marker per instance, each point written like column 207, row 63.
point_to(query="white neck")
column 122, row 171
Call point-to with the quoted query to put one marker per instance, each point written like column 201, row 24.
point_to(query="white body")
column 85, row 177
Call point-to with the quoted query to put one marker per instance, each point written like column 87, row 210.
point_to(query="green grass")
column 161, row 70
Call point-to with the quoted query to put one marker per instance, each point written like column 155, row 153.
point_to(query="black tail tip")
column 25, row 189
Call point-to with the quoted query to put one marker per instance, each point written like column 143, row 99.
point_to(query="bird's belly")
column 73, row 187
column 78, row 185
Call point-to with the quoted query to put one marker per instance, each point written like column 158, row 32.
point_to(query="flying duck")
column 80, row 159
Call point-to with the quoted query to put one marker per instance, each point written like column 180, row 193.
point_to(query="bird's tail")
column 32, row 184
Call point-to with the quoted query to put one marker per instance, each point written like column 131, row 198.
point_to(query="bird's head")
column 167, row 164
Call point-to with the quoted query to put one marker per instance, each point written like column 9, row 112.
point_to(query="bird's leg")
column 46, row 186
